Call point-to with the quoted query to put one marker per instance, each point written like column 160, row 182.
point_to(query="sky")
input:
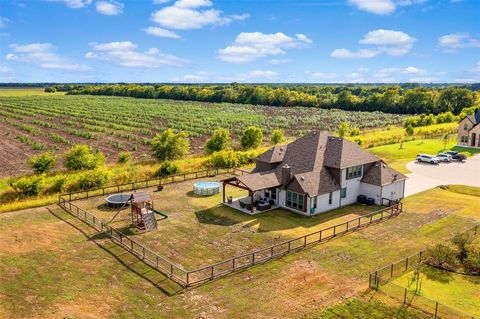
column 189, row 41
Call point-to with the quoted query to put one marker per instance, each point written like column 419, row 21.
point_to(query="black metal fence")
column 187, row 278
column 380, row 280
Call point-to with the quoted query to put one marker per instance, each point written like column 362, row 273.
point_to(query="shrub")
column 252, row 137
column 41, row 163
column 124, row 157
column 409, row 130
column 442, row 256
column 226, row 158
column 57, row 185
column 170, row 145
column 354, row 131
column 81, row 157
column 28, row 185
column 461, row 241
column 167, row 169
column 92, row 179
column 50, row 89
column 220, row 140
column 472, row 260
column 277, row 137
column 343, row 129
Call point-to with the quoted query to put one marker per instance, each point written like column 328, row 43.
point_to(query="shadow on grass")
column 278, row 219
column 439, row 275
column 126, row 259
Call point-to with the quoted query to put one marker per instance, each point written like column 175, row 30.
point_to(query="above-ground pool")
column 206, row 188
column 117, row 200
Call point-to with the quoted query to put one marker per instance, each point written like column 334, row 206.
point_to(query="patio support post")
column 251, row 198
column 224, row 185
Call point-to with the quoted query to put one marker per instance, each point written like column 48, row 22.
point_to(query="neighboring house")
column 317, row 173
column 469, row 130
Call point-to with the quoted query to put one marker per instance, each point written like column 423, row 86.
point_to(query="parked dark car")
column 457, row 156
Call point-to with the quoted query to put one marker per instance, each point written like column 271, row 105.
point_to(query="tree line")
column 385, row 98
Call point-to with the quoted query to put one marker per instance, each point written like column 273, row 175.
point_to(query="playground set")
column 143, row 213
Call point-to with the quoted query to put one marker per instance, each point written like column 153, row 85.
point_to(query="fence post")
column 405, row 296
column 406, row 263
column 391, row 271
column 436, row 309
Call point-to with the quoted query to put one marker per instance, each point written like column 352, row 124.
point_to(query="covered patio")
column 259, row 199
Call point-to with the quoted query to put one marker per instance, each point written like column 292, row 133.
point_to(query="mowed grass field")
column 54, row 266
column 32, row 122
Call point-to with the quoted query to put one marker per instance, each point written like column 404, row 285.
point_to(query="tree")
column 170, row 145
column 82, row 156
column 472, row 260
column 252, row 137
column 445, row 139
column 29, row 185
column 50, row 89
column 277, row 137
column 462, row 241
column 442, row 256
column 343, row 129
column 167, row 168
column 220, row 140
column 42, row 163
column 409, row 130
column 455, row 99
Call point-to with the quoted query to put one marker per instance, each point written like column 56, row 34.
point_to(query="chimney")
column 286, row 174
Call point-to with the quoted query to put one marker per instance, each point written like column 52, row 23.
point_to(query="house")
column 469, row 130
column 314, row 174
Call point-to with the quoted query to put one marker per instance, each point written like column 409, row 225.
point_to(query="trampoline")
column 206, row 188
column 117, row 200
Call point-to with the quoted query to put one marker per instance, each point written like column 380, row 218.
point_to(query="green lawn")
column 456, row 291
column 397, row 155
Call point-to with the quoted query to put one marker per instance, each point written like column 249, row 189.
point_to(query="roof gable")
column 381, row 174
column 341, row 153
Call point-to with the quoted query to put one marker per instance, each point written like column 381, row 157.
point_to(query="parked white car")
column 426, row 158
column 444, row 157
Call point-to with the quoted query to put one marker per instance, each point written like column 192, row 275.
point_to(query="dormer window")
column 465, row 127
column 354, row 172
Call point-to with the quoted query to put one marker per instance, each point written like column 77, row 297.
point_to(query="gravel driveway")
column 425, row 176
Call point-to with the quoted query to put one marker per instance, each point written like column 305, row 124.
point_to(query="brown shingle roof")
column 341, row 154
column 316, row 183
column 273, row 155
column 381, row 174
column 262, row 180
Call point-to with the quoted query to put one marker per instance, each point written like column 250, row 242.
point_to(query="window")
column 295, row 200
column 330, row 198
column 343, row 192
column 465, row 127
column 313, row 203
column 464, row 139
column 354, row 171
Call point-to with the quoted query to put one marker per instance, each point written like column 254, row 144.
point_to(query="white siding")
column 394, row 191
column 322, row 203
column 372, row 191
column 353, row 188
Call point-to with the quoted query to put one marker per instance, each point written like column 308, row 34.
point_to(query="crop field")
column 36, row 122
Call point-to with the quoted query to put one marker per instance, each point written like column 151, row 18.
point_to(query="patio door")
column 271, row 193
column 474, row 139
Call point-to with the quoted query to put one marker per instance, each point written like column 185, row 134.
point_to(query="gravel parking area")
column 425, row 176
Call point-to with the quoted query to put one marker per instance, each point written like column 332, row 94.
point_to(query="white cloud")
column 323, row 77
column 359, row 54
column 396, row 74
column 124, row 54
column 192, row 78
column 279, row 61
column 423, row 80
column 387, row 37
column 250, row 46
column 163, row 33
column 413, row 70
column 4, row 22
column 43, row 55
column 374, row 6
column 362, row 70
column 192, row 14
column 75, row 4
column 5, row 69
column 109, row 8
column 262, row 74
column 455, row 41
column 389, row 42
